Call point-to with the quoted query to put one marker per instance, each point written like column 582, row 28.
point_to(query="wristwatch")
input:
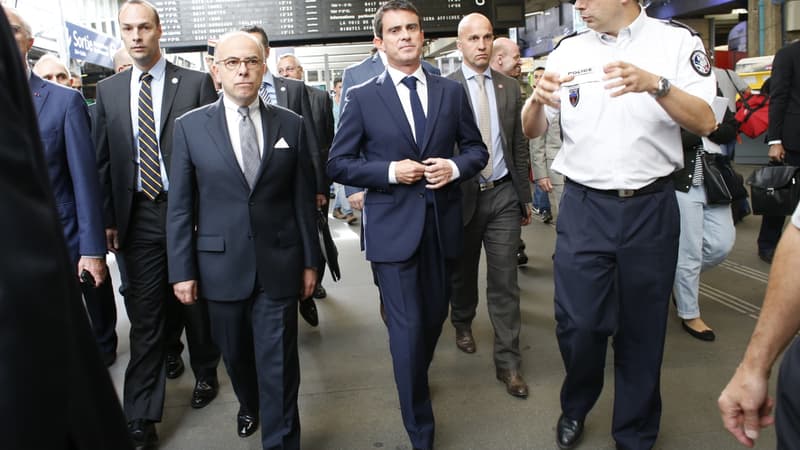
column 663, row 88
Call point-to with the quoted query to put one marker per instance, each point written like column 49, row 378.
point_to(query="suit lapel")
column 39, row 92
column 270, row 128
column 172, row 79
column 377, row 65
column 222, row 139
column 122, row 87
column 434, row 104
column 388, row 93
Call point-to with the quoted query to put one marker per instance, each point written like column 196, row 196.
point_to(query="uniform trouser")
column 146, row 296
column 614, row 266
column 707, row 236
column 102, row 308
column 415, row 294
column 772, row 226
column 787, row 409
column 258, row 339
column 203, row 353
column 495, row 224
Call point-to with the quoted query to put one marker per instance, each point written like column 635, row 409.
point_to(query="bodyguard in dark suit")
column 135, row 113
column 783, row 133
column 43, row 325
column 412, row 206
column 496, row 202
column 241, row 234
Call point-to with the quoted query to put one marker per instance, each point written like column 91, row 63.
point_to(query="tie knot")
column 244, row 111
column 145, row 76
column 410, row 82
column 479, row 78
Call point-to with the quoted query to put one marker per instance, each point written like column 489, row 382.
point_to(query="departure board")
column 190, row 23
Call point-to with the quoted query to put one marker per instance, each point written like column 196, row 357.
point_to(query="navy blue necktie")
column 416, row 109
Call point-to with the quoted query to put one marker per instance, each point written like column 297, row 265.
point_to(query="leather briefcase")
column 774, row 190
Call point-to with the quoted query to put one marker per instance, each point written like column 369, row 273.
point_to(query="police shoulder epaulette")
column 573, row 34
column 675, row 23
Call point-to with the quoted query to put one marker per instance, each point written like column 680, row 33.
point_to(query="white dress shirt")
column 499, row 169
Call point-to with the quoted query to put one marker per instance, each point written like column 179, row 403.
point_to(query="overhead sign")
column 90, row 46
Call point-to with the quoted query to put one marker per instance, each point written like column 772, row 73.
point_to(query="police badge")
column 574, row 95
column 700, row 63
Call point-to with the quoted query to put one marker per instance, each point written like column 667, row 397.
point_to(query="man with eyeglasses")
column 241, row 233
column 134, row 122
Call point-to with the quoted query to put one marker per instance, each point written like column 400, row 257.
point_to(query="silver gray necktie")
column 251, row 158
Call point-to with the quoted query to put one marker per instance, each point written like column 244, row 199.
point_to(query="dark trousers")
column 614, row 266
column 495, row 226
column 146, row 296
column 787, row 410
column 102, row 309
column 203, row 353
column 772, row 226
column 415, row 294
column 258, row 339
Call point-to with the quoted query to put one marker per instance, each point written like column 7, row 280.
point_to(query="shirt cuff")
column 392, row 177
column 775, row 141
column 456, row 173
column 94, row 256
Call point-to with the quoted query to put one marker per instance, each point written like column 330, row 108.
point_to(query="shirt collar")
column 469, row 73
column 233, row 107
column 627, row 33
column 157, row 71
column 268, row 78
column 397, row 76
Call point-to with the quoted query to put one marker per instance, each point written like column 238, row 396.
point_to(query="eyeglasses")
column 235, row 63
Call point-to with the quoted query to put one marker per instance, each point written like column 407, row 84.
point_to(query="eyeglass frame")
column 250, row 63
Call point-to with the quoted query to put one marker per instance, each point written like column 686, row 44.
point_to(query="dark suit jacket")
column 515, row 146
column 56, row 392
column 71, row 164
column 113, row 136
column 322, row 113
column 373, row 132
column 784, row 97
column 269, row 232
column 292, row 94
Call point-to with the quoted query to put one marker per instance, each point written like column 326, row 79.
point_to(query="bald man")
column 506, row 57
column 122, row 60
column 50, row 68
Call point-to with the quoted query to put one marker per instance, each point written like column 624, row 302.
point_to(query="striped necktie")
column 149, row 165
column 265, row 94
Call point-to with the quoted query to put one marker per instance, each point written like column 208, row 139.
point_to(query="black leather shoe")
column 204, row 392
column 308, row 310
column 143, row 434
column 174, row 366
column 246, row 425
column 465, row 341
column 568, row 432
column 705, row 335
column 320, row 292
column 522, row 258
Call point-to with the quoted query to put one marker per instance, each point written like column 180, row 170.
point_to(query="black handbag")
column 774, row 190
column 717, row 192
column 327, row 246
column 733, row 179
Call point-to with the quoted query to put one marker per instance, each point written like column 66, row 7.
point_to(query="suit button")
column 420, row 195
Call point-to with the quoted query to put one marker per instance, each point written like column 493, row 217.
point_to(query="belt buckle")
column 486, row 186
column 625, row 193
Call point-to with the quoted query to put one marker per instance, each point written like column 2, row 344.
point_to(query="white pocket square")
column 281, row 143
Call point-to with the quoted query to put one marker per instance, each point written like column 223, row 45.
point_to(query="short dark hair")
column 337, row 80
column 393, row 5
column 538, row 68
column 255, row 29
column 144, row 3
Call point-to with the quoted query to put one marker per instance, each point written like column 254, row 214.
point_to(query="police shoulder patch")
column 700, row 63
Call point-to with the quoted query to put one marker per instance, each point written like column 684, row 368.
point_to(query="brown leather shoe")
column 515, row 384
column 464, row 341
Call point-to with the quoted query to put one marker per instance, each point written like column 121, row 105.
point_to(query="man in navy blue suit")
column 68, row 150
column 412, row 205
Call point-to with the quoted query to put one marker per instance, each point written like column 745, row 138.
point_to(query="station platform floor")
column 347, row 392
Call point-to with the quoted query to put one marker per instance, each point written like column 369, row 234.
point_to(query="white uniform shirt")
column 629, row 141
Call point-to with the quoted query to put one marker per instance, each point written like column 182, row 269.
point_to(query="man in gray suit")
column 496, row 203
column 241, row 234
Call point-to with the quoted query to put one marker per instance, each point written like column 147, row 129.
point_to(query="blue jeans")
column 541, row 200
column 707, row 236
column 340, row 200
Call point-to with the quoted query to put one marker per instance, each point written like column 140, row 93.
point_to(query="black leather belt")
column 493, row 184
column 655, row 186
column 141, row 196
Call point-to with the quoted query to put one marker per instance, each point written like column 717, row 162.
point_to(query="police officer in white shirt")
column 624, row 88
